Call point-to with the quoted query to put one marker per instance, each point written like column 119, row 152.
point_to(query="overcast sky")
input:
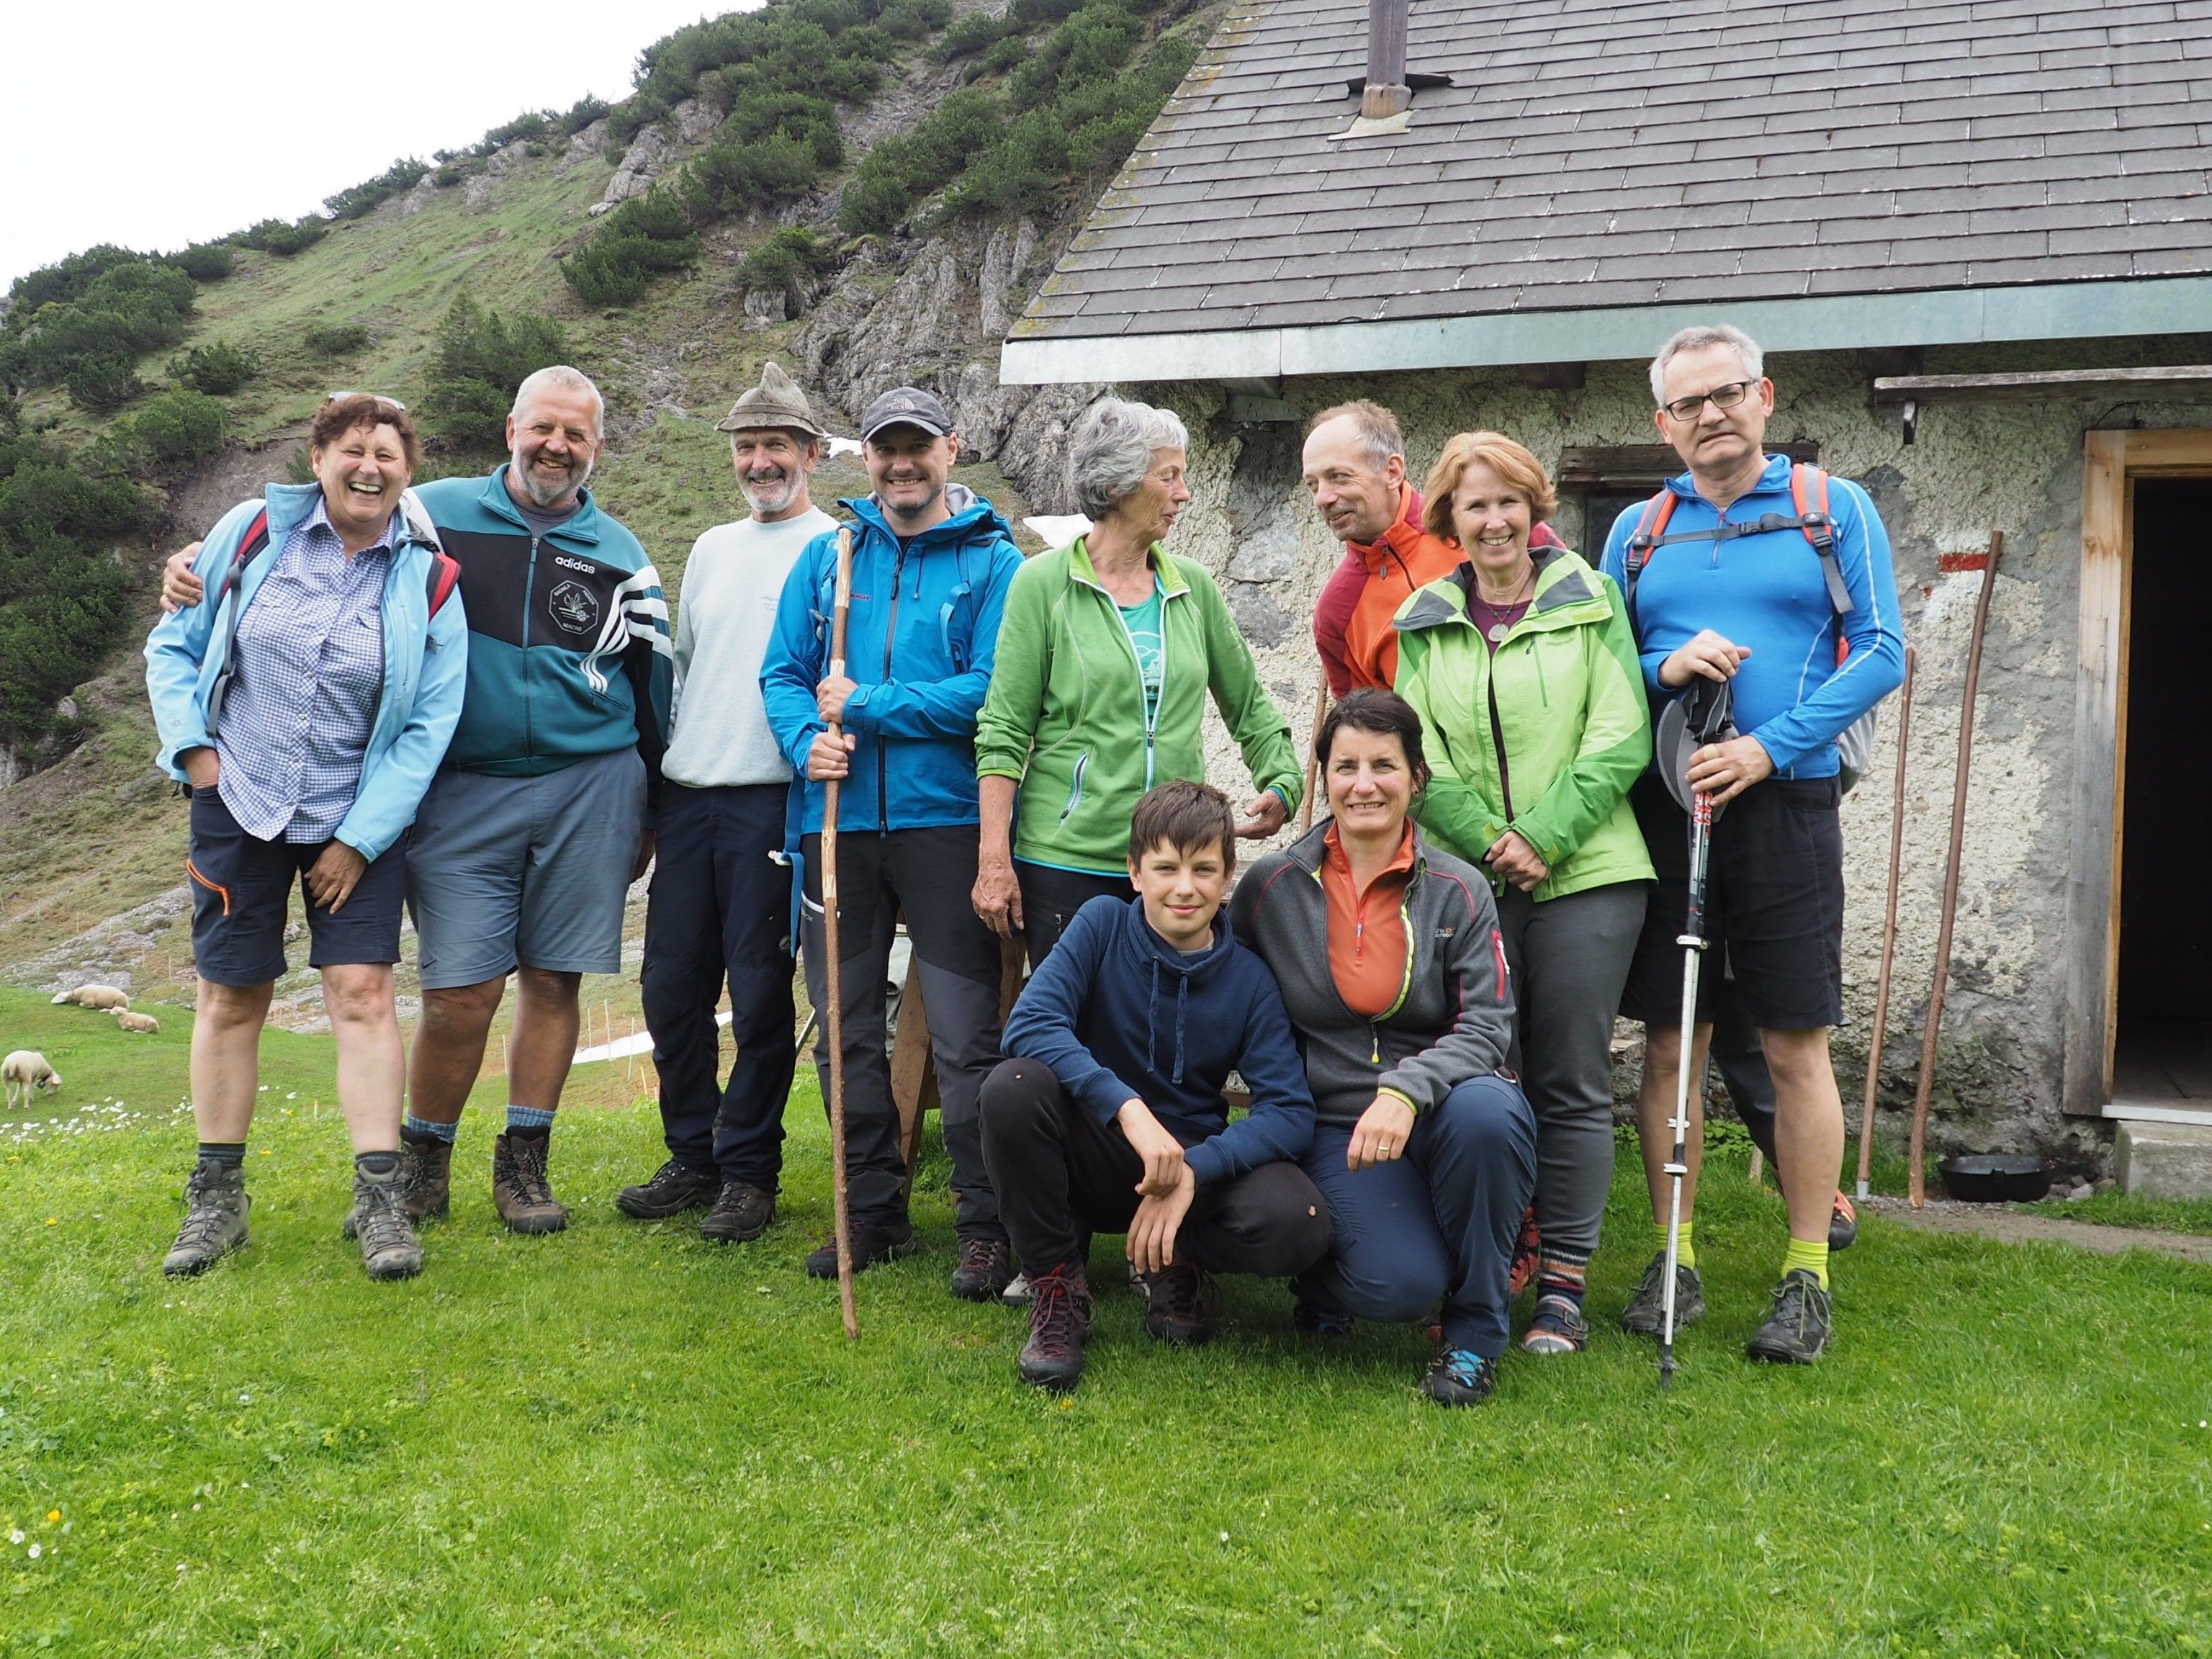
column 154, row 125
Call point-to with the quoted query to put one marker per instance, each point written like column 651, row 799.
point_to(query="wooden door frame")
column 2112, row 463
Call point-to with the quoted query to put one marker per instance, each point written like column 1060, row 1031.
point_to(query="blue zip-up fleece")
column 918, row 644
column 1767, row 592
column 425, row 666
column 1120, row 1015
column 569, row 635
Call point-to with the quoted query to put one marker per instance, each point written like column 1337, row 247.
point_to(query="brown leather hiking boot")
column 518, row 1187
column 215, row 1220
column 426, row 1177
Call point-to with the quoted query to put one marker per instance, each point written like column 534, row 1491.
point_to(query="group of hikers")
column 1417, row 996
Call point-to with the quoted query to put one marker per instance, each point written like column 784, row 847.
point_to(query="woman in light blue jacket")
column 307, row 708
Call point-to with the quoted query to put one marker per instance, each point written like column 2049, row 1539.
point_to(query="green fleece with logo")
column 1545, row 736
column 1065, row 716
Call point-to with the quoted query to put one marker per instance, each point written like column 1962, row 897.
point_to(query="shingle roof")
column 1624, row 153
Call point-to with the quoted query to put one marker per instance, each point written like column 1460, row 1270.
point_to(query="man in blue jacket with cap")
column 932, row 563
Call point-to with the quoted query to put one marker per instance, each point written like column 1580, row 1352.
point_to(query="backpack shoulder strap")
column 1649, row 529
column 443, row 577
column 249, row 549
column 1809, row 494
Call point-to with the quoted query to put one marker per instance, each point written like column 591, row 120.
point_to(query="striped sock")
column 415, row 1128
column 1813, row 1257
column 1688, row 1254
column 1555, row 1276
column 528, row 1117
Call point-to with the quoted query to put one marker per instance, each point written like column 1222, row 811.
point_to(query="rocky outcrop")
column 657, row 148
column 476, row 193
column 588, row 146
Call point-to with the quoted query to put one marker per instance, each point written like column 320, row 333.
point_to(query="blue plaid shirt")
column 310, row 666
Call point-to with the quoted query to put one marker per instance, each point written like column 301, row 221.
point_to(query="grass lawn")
column 621, row 1441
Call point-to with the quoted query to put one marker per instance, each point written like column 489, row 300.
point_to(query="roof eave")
column 2050, row 311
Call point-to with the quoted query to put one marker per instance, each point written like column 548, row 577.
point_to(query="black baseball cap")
column 906, row 405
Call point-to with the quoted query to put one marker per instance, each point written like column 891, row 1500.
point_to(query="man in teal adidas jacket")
column 932, row 563
column 525, row 847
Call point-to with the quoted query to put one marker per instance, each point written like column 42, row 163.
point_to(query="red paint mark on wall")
column 1949, row 563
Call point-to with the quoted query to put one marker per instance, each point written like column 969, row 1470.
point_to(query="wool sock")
column 378, row 1166
column 224, row 1154
column 420, row 1129
column 530, row 1119
column 1687, row 1255
column 1813, row 1257
column 1555, row 1276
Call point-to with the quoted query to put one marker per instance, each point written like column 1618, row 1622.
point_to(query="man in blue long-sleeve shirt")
column 1764, row 610
column 1108, row 1116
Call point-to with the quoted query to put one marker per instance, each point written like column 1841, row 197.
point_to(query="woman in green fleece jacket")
column 1108, row 651
column 1522, row 667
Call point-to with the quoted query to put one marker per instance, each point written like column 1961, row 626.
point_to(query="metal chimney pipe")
column 1387, row 93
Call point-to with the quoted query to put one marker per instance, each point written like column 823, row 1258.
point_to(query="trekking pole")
column 833, row 1016
column 1692, row 941
column 1917, row 1185
column 1312, row 756
column 1888, row 933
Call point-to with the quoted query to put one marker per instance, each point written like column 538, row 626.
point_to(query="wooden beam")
column 2181, row 381
column 2092, row 887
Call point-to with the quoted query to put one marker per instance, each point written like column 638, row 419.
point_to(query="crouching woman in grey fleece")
column 1389, row 956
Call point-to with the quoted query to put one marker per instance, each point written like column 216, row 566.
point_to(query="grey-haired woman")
column 1110, row 648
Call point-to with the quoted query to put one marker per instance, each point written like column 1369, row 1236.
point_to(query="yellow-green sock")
column 1812, row 1256
column 1687, row 1255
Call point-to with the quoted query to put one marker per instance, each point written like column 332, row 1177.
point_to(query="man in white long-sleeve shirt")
column 721, row 906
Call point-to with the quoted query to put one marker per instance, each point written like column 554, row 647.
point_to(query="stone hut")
column 1973, row 238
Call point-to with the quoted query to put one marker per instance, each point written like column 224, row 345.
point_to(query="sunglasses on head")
column 393, row 403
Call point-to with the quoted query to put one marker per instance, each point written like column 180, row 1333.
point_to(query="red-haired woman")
column 1522, row 667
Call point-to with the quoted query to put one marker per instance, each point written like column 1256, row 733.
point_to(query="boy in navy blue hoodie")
column 1108, row 1117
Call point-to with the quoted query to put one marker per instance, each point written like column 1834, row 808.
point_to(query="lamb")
column 26, row 1070
column 103, row 997
column 133, row 1022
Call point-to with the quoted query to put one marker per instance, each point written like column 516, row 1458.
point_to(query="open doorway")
column 2163, row 1053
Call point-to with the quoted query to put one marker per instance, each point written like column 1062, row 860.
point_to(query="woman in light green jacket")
column 1523, row 670
column 1110, row 649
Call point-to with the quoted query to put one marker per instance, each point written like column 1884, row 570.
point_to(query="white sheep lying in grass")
column 105, row 997
column 131, row 1021
column 26, row 1070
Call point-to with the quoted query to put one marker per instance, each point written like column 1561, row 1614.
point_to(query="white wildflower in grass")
column 34, row 1551
column 14, row 1534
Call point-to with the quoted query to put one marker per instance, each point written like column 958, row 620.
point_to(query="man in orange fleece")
column 1355, row 471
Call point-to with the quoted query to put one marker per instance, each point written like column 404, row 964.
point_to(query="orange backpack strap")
column 1808, row 480
column 1649, row 532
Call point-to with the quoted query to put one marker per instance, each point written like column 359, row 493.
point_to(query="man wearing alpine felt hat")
column 720, row 903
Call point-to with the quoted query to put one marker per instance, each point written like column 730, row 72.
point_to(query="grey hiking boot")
column 389, row 1247
column 1798, row 1316
column 1646, row 1309
column 519, row 1190
column 215, row 1220
column 426, row 1177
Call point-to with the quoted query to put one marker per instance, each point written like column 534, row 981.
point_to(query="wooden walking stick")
column 1313, row 755
column 1889, row 931
column 1918, row 1188
column 833, row 1017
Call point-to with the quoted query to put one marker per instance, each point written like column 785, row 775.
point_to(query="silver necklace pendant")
column 1499, row 631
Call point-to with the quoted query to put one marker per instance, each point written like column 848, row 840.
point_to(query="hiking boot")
column 675, row 1187
column 1175, row 1306
column 389, row 1248
column 518, row 1187
column 986, row 1267
column 1798, row 1314
column 215, row 1220
column 1527, row 1249
column 1843, row 1226
column 1558, row 1328
column 1309, row 1318
column 426, row 1172
column 1060, row 1321
column 740, row 1214
column 1646, row 1310
column 1460, row 1376
column 870, row 1246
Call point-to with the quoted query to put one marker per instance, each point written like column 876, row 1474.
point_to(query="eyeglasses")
column 394, row 402
column 1721, row 397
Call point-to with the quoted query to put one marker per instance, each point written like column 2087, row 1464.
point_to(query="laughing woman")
column 1523, row 670
column 308, row 708
column 1387, row 951
column 1110, row 648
